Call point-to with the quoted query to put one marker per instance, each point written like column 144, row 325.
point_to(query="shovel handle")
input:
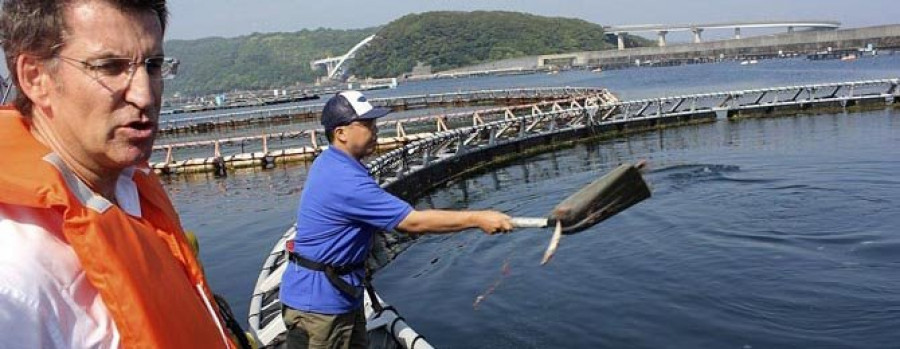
column 529, row 222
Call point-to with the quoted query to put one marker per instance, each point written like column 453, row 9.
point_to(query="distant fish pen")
column 265, row 150
column 599, row 110
column 207, row 122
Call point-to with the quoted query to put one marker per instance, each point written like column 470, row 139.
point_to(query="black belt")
column 333, row 273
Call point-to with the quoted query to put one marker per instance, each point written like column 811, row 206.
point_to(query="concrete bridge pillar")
column 621, row 37
column 4, row 89
column 662, row 38
column 737, row 32
column 3, row 86
column 329, row 67
column 697, row 38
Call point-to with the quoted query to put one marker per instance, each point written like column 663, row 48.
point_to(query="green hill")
column 256, row 61
column 447, row 40
column 444, row 40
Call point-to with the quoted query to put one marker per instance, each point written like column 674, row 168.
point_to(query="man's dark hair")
column 36, row 27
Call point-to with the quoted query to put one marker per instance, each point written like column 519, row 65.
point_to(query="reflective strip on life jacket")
column 81, row 191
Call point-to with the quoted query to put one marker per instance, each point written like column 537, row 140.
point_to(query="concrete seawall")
column 887, row 36
column 800, row 42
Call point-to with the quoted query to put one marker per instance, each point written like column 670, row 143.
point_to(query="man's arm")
column 441, row 221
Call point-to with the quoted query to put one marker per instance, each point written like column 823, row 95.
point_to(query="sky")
column 192, row 19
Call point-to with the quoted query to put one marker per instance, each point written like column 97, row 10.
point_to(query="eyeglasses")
column 118, row 72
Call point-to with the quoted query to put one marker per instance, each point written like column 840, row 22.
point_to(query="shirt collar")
column 344, row 157
column 127, row 195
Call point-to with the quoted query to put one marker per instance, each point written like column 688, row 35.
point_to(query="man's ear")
column 34, row 79
column 340, row 134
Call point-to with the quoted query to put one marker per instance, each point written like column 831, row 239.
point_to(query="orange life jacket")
column 143, row 268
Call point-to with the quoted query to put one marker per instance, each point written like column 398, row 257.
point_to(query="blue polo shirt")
column 341, row 207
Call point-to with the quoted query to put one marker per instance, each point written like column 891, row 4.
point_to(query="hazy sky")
column 193, row 19
column 202, row 18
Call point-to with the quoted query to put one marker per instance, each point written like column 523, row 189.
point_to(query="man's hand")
column 492, row 222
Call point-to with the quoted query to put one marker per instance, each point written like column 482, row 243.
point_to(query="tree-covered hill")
column 443, row 40
column 447, row 40
column 256, row 61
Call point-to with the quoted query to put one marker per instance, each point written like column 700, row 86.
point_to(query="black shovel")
column 603, row 198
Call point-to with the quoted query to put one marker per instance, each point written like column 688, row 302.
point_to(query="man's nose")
column 141, row 89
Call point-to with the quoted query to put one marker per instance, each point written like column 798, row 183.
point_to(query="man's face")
column 361, row 136
column 106, row 121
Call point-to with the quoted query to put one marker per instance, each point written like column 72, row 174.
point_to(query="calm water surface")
column 761, row 233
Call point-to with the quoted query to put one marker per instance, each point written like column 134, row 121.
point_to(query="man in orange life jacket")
column 92, row 253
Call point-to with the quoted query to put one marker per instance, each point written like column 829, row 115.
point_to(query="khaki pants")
column 319, row 331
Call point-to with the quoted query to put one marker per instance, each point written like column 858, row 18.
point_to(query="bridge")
column 5, row 88
column 800, row 42
column 420, row 142
column 662, row 29
column 335, row 65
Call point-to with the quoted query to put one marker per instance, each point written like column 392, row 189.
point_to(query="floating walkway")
column 266, row 150
column 175, row 125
